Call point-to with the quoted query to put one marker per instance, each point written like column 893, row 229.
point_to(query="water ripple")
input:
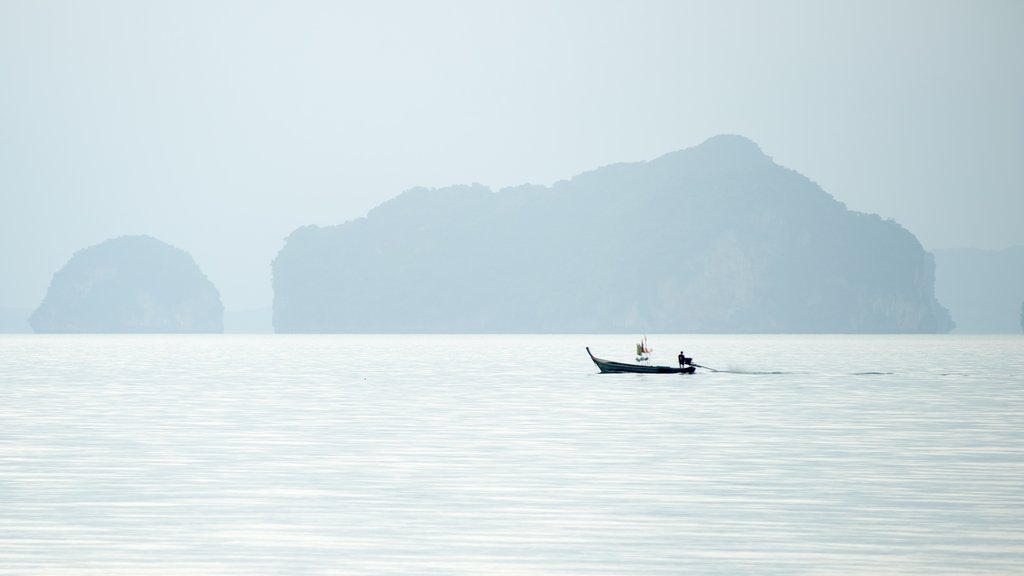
column 508, row 454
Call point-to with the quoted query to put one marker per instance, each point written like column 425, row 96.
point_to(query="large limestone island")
column 716, row 238
column 131, row 284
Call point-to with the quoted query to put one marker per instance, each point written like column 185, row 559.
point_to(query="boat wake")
column 742, row 371
column 746, row 372
column 754, row 372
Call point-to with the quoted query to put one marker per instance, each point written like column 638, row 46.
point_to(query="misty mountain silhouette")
column 982, row 288
column 715, row 238
column 131, row 284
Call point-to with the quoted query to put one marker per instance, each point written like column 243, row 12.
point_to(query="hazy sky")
column 220, row 127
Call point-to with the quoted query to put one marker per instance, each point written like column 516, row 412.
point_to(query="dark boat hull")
column 612, row 367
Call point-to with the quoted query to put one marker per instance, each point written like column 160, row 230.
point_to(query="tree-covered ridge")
column 716, row 238
column 131, row 284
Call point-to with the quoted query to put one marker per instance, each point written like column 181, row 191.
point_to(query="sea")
column 510, row 454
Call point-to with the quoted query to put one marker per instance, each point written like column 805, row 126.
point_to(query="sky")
column 221, row 126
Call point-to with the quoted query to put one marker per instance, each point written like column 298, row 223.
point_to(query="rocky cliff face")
column 130, row 284
column 716, row 238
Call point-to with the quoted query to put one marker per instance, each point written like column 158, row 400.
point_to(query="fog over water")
column 221, row 127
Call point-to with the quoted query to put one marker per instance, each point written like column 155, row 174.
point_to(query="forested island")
column 715, row 238
column 131, row 284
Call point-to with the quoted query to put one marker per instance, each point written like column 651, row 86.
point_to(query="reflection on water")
column 509, row 454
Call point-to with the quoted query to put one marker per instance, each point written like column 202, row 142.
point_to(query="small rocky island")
column 131, row 284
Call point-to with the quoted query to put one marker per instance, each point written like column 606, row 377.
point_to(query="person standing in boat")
column 683, row 360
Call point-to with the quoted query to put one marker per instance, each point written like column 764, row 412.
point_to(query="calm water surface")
column 510, row 455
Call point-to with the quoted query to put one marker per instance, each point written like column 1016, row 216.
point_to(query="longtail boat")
column 612, row 367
